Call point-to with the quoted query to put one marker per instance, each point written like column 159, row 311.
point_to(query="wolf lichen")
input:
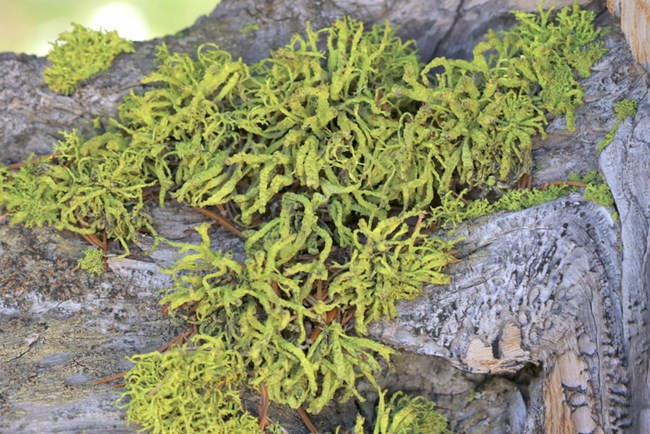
column 88, row 186
column 455, row 209
column 336, row 152
column 190, row 390
column 405, row 414
column 92, row 261
column 79, row 54
column 623, row 109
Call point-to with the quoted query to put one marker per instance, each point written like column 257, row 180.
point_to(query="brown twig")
column 17, row 166
column 307, row 421
column 418, row 224
column 92, row 239
column 221, row 220
column 320, row 294
column 329, row 317
column 525, row 182
column 264, row 408
column 347, row 317
column 190, row 305
column 111, row 378
column 571, row 183
column 180, row 339
column 276, row 288
column 104, row 247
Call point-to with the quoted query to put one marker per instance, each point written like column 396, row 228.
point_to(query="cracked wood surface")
column 535, row 287
column 635, row 23
column 543, row 328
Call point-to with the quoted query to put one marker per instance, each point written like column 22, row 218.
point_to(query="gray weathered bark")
column 543, row 328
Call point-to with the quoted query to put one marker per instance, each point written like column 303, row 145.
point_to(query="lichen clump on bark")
column 335, row 153
column 622, row 109
column 79, row 54
column 92, row 261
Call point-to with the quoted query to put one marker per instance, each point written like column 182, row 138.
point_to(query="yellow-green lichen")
column 93, row 261
column 89, row 186
column 405, row 414
column 249, row 28
column 79, row 54
column 597, row 190
column 336, row 152
column 455, row 209
column 623, row 109
column 189, row 389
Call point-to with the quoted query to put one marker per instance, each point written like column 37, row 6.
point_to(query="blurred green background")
column 28, row 26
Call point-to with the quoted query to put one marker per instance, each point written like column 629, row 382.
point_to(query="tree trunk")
column 543, row 328
column 635, row 23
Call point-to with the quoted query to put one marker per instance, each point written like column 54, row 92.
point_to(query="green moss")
column 623, row 109
column 600, row 194
column 337, row 151
column 517, row 200
column 92, row 261
column 79, row 54
column 455, row 209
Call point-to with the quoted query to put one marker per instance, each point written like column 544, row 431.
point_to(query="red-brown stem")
column 525, row 182
column 180, row 340
column 276, row 288
column 105, row 249
column 92, row 239
column 219, row 219
column 307, row 421
column 572, row 183
column 264, row 408
column 193, row 305
column 347, row 317
column 17, row 166
column 329, row 317
column 111, row 378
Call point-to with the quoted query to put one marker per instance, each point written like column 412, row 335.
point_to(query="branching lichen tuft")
column 87, row 186
column 80, row 53
column 455, row 209
column 92, row 261
column 623, row 109
column 405, row 414
column 339, row 153
column 190, row 389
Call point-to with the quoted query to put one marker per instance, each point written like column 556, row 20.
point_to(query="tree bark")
column 543, row 328
column 635, row 23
